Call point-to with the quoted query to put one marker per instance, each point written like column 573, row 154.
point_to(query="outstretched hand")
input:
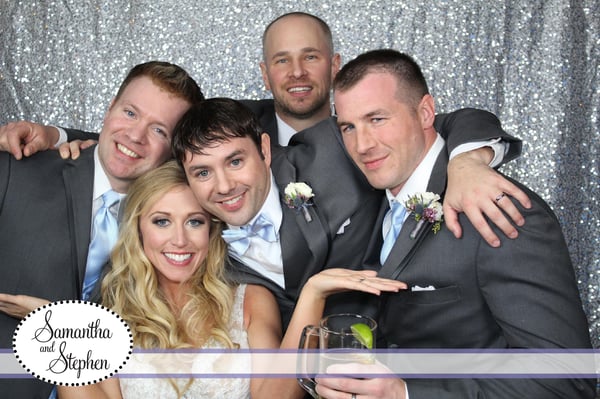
column 478, row 190
column 19, row 306
column 26, row 138
column 331, row 281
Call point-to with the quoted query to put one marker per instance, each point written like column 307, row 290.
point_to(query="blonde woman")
column 168, row 281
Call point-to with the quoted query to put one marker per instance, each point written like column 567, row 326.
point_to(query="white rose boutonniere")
column 427, row 208
column 299, row 197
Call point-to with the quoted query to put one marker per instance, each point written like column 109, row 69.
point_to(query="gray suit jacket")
column 342, row 195
column 521, row 295
column 45, row 218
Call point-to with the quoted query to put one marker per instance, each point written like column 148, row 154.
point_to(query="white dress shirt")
column 417, row 182
column 284, row 131
column 263, row 256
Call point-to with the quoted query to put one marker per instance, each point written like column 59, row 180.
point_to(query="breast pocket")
column 430, row 297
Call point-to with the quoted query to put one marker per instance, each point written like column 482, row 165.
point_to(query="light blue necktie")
column 104, row 236
column 398, row 213
column 239, row 239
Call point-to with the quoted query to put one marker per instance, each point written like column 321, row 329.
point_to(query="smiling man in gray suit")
column 47, row 203
column 463, row 293
column 238, row 177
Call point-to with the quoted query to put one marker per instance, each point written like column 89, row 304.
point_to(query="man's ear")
column 336, row 62
column 426, row 110
column 265, row 144
column 265, row 77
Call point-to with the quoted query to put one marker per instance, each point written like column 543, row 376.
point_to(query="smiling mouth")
column 178, row 257
column 301, row 89
column 373, row 164
column 232, row 200
column 127, row 151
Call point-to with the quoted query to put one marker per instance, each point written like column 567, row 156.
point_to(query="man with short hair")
column 463, row 293
column 240, row 178
column 298, row 66
column 47, row 204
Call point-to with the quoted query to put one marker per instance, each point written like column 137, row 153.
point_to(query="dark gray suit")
column 521, row 295
column 317, row 156
column 309, row 247
column 45, row 219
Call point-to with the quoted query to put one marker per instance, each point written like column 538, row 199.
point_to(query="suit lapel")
column 405, row 247
column 303, row 244
column 78, row 176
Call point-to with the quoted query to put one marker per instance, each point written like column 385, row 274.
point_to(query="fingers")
column 371, row 284
column 87, row 143
column 32, row 147
column 331, row 281
column 15, row 146
column 73, row 148
column 451, row 220
column 481, row 224
column 334, row 387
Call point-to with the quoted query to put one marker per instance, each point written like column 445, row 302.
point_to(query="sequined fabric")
column 532, row 63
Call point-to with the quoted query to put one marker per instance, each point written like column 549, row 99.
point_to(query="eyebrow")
column 303, row 50
column 138, row 110
column 227, row 158
column 362, row 117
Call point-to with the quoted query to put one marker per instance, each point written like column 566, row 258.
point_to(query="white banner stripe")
column 228, row 364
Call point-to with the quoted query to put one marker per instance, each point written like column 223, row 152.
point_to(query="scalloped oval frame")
column 72, row 343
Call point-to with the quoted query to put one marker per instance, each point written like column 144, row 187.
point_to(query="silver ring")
column 500, row 196
column 353, row 396
column 360, row 280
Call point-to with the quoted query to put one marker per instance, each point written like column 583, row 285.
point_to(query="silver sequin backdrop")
column 532, row 63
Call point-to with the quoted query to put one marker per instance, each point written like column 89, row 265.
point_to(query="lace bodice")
column 201, row 388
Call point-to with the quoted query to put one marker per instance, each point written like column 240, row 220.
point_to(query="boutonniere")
column 427, row 208
column 299, row 197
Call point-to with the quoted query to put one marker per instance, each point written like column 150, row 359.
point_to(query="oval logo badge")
column 72, row 343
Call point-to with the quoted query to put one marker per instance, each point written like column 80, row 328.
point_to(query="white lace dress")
column 145, row 387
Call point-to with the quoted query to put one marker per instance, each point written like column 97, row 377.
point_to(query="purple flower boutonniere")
column 427, row 208
column 299, row 197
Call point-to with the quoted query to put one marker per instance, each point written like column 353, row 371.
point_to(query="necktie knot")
column 397, row 216
column 398, row 212
column 239, row 239
column 110, row 198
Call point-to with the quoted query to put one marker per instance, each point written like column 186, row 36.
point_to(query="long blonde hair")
column 131, row 287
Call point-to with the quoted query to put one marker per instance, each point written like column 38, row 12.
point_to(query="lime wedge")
column 363, row 334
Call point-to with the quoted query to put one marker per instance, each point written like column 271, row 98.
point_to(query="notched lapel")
column 404, row 249
column 79, row 181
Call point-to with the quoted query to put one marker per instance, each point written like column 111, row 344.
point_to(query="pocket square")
column 343, row 227
column 419, row 288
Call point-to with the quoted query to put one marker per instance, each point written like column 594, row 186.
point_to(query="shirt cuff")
column 499, row 146
column 62, row 136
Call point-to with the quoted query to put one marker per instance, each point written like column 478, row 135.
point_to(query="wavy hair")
column 131, row 287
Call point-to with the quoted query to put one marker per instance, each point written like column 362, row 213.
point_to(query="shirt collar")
column 101, row 182
column 419, row 179
column 284, row 131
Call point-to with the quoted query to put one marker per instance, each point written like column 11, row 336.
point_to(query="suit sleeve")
column 530, row 288
column 74, row 134
column 471, row 125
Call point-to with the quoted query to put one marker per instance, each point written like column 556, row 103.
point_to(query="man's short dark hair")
column 211, row 122
column 412, row 85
